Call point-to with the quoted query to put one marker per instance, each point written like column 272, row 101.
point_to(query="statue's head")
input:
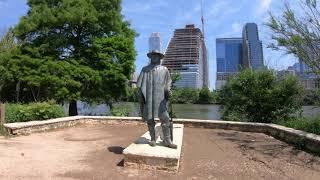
column 155, row 56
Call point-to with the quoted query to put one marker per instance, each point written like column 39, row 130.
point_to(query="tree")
column 7, row 42
column 184, row 96
column 205, row 96
column 7, row 46
column 84, row 46
column 175, row 76
column 258, row 96
column 298, row 33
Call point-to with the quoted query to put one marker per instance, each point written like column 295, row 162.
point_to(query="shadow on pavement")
column 116, row 149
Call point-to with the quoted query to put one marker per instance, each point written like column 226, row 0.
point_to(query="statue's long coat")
column 154, row 84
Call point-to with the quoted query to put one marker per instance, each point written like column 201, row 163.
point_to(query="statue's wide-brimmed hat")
column 155, row 52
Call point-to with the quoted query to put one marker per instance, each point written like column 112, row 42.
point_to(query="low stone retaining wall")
column 307, row 141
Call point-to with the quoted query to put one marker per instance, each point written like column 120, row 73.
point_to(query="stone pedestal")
column 143, row 156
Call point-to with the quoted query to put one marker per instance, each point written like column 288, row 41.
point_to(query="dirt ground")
column 95, row 152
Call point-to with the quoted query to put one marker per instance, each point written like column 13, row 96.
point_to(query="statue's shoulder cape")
column 142, row 79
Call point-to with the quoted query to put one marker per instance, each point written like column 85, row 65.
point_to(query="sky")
column 223, row 19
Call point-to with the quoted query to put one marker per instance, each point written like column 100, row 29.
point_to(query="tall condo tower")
column 155, row 42
column 186, row 54
column 252, row 47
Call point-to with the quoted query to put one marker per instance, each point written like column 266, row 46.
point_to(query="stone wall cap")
column 20, row 125
column 295, row 131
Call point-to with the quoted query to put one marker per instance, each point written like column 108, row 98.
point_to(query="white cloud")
column 236, row 27
column 219, row 10
column 263, row 6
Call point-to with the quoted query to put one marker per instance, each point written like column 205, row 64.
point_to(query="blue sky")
column 223, row 18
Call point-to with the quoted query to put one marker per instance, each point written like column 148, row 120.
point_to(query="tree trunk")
column 18, row 91
column 73, row 111
column 2, row 114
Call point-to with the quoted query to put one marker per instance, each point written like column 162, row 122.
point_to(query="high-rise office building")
column 187, row 55
column 229, row 58
column 155, row 42
column 229, row 54
column 233, row 53
column 252, row 47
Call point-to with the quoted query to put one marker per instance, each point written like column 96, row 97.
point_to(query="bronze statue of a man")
column 154, row 85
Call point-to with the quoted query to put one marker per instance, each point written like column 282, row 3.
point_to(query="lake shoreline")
column 187, row 111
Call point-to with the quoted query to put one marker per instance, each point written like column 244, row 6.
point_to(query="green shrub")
column 307, row 125
column 311, row 98
column 258, row 96
column 205, row 96
column 33, row 111
column 120, row 111
column 185, row 96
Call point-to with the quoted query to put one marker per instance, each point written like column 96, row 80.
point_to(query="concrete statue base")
column 143, row 156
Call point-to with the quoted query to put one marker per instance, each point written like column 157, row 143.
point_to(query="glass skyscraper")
column 229, row 58
column 233, row 53
column 252, row 47
column 229, row 54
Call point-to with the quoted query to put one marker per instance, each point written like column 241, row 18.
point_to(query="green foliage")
column 7, row 43
column 297, row 32
column 205, row 96
column 120, row 111
column 28, row 79
column 70, row 50
column 132, row 95
column 185, row 96
column 175, row 76
column 311, row 98
column 257, row 96
column 33, row 111
column 307, row 125
column 193, row 96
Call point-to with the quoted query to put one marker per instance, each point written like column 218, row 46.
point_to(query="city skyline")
column 234, row 53
column 223, row 18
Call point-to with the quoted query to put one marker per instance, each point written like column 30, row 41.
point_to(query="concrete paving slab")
column 143, row 156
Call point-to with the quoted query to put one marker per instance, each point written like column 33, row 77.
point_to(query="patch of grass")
column 307, row 125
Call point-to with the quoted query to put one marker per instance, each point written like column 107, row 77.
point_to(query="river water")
column 187, row 111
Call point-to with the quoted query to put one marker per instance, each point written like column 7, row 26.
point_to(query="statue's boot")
column 152, row 132
column 167, row 136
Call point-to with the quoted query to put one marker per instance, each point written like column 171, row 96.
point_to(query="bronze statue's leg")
column 165, row 124
column 152, row 132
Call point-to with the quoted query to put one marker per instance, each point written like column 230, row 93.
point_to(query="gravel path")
column 94, row 152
